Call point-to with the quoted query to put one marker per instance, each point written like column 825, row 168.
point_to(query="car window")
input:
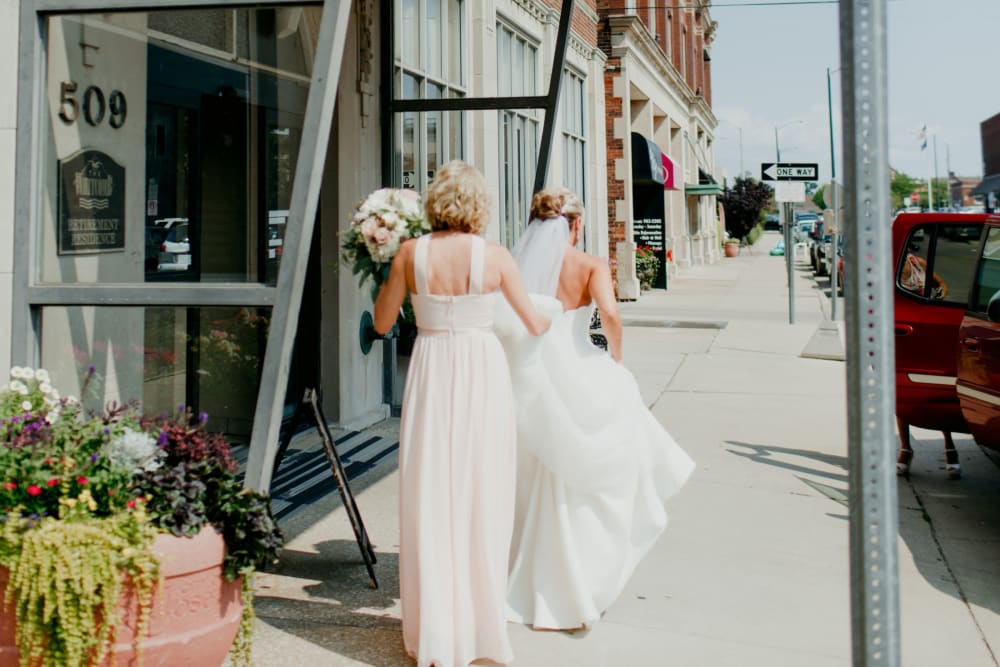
column 912, row 272
column 988, row 277
column 954, row 261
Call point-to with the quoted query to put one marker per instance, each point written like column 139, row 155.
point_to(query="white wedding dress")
column 594, row 467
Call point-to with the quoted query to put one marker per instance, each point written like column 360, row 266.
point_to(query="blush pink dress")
column 457, row 476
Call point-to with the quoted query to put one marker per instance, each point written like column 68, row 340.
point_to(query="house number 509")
column 94, row 105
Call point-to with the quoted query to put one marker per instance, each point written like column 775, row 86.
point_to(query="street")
column 753, row 568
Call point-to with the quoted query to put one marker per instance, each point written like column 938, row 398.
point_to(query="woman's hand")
column 393, row 291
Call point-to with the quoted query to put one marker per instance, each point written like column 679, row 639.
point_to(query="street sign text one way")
column 789, row 171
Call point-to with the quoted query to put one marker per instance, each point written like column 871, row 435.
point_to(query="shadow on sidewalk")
column 342, row 613
column 951, row 528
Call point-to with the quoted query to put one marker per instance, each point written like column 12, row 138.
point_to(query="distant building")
column 960, row 190
column 989, row 188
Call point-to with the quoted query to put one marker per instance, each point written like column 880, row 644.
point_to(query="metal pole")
column 834, row 203
column 789, row 260
column 740, row 130
column 552, row 100
column 870, row 347
column 935, row 163
column 777, row 151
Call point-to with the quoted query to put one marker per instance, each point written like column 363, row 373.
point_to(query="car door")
column 979, row 347
column 935, row 260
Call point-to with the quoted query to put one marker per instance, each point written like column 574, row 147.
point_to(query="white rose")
column 43, row 375
column 25, row 405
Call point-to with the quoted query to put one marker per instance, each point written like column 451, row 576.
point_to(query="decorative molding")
column 630, row 35
column 536, row 10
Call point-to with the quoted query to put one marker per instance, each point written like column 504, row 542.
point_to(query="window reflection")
column 205, row 127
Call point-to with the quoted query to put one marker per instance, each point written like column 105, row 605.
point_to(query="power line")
column 748, row 4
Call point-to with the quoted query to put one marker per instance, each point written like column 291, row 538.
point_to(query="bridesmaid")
column 457, row 430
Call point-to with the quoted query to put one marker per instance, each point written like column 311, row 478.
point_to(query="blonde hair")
column 457, row 199
column 555, row 202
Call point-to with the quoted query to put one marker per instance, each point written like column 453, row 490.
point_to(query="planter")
column 195, row 614
column 732, row 249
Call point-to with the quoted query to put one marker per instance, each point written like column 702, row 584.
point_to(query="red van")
column 979, row 344
column 935, row 259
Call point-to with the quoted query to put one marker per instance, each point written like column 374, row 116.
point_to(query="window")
column 430, row 64
column 938, row 262
column 987, row 283
column 574, row 133
column 517, row 60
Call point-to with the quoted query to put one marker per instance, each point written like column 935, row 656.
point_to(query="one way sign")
column 787, row 171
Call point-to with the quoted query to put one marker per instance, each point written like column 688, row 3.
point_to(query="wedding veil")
column 539, row 254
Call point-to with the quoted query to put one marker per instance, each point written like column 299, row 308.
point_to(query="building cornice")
column 629, row 35
column 547, row 15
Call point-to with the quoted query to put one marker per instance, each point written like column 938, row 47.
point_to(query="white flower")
column 72, row 400
column 42, row 375
column 54, row 395
column 45, row 387
column 15, row 372
column 27, row 373
column 134, row 450
column 25, row 405
column 18, row 387
column 52, row 416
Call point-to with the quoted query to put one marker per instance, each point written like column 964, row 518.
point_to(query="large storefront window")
column 429, row 64
column 517, row 74
column 173, row 143
column 168, row 153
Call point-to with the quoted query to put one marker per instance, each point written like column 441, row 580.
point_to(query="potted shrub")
column 123, row 539
column 732, row 247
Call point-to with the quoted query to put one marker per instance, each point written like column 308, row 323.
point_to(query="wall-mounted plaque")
column 91, row 216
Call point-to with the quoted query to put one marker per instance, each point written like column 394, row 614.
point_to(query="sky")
column 769, row 69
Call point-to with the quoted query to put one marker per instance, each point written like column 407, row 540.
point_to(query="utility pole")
column 935, row 162
column 834, row 204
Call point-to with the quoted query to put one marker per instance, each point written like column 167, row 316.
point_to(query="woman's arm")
column 603, row 292
column 392, row 292
column 513, row 290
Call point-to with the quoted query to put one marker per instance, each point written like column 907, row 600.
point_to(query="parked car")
column 935, row 257
column 175, row 250
column 154, row 239
column 772, row 221
column 779, row 248
column 978, row 378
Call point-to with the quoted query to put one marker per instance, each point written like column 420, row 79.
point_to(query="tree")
column 744, row 203
column 819, row 200
column 902, row 186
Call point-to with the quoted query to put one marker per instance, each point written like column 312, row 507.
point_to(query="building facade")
column 161, row 162
column 658, row 99
column 989, row 188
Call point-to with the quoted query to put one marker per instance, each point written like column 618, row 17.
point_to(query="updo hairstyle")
column 552, row 203
column 457, row 199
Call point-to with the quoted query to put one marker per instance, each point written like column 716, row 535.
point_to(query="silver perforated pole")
column 870, row 348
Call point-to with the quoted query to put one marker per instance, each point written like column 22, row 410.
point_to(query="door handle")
column 971, row 344
column 904, row 329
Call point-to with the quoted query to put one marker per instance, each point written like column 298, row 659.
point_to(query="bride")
column 594, row 465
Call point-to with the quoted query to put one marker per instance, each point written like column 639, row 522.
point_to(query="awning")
column 705, row 187
column 989, row 184
column 670, row 180
column 699, row 190
column 647, row 161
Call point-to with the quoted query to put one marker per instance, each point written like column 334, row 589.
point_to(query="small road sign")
column 789, row 171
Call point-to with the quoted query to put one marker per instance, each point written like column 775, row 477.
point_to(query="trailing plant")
column 83, row 496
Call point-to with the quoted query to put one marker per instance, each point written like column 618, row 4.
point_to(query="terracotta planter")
column 732, row 249
column 195, row 614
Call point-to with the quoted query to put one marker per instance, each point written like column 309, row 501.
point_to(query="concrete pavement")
column 753, row 568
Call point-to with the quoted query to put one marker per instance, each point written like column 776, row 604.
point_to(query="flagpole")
column 935, row 160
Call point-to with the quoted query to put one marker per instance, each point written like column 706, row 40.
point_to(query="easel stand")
column 311, row 404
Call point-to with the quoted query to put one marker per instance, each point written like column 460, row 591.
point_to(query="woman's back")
column 574, row 289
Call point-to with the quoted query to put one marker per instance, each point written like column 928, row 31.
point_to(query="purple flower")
column 91, row 369
column 107, row 431
column 202, row 417
column 162, row 440
column 94, row 456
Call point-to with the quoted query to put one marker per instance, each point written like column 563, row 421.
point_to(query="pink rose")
column 381, row 236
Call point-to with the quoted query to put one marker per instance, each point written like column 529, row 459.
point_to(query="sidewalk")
column 753, row 569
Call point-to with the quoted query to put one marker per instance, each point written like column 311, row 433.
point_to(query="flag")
column 923, row 137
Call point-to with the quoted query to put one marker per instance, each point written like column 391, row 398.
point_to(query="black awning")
column 647, row 161
column 989, row 184
column 705, row 178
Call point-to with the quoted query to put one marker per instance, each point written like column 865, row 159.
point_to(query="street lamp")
column 777, row 148
column 739, row 131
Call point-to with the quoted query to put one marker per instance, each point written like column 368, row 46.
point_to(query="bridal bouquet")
column 381, row 223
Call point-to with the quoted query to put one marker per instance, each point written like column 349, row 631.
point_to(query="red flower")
column 81, row 480
column 9, row 486
column 130, row 503
column 34, row 490
column 52, row 482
